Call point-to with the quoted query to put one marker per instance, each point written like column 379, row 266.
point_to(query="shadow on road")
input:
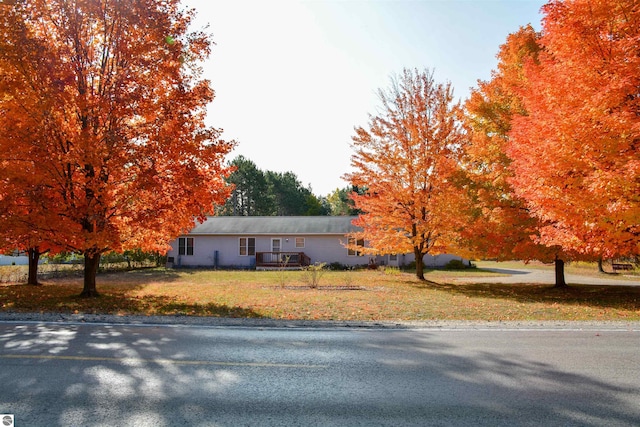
column 79, row 375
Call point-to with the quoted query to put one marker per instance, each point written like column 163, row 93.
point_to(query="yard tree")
column 499, row 223
column 405, row 158
column 315, row 206
column 340, row 201
column 20, row 208
column 289, row 196
column 113, row 93
column 576, row 153
column 250, row 194
column 24, row 218
column 258, row 193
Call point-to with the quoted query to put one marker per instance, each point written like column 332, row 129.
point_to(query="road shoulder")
column 316, row 324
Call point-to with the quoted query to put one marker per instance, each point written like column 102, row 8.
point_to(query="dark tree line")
column 268, row 193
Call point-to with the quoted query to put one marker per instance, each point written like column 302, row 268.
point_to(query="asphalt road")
column 127, row 375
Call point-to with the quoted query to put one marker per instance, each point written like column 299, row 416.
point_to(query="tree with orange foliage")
column 20, row 207
column 25, row 219
column 576, row 153
column 499, row 224
column 103, row 103
column 405, row 159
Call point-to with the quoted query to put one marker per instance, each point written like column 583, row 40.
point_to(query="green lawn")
column 342, row 295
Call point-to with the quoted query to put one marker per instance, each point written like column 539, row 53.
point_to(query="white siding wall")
column 330, row 249
column 319, row 248
column 14, row 260
column 440, row 260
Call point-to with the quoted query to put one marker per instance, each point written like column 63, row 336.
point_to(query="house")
column 276, row 241
column 14, row 260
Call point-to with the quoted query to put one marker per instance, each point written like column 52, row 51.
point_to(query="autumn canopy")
column 576, row 153
column 405, row 159
column 555, row 153
column 550, row 165
column 104, row 145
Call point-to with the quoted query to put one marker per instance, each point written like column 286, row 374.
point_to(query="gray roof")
column 275, row 225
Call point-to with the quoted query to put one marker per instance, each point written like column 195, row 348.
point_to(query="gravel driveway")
column 536, row 275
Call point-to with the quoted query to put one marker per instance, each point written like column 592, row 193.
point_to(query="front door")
column 275, row 245
column 275, row 249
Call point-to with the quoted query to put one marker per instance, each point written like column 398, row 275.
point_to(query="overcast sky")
column 293, row 78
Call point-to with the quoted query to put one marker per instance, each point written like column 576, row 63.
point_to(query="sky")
column 294, row 78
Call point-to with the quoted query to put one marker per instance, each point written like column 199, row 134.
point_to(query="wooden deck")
column 282, row 259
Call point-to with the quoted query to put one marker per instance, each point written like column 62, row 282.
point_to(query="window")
column 247, row 246
column 185, row 246
column 351, row 243
column 299, row 242
column 393, row 257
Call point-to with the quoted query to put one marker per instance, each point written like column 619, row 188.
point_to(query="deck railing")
column 282, row 259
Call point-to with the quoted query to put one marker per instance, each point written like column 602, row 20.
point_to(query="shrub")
column 283, row 275
column 410, row 266
column 455, row 264
column 336, row 266
column 390, row 271
column 348, row 278
column 313, row 273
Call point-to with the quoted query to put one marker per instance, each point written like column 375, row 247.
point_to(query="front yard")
column 342, row 295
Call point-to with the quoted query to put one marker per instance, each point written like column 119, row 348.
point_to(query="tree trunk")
column 560, row 283
column 34, row 257
column 91, row 263
column 419, row 264
column 600, row 269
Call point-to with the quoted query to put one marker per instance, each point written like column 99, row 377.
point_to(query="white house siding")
column 14, row 260
column 330, row 249
column 327, row 249
column 216, row 242
column 319, row 249
column 433, row 261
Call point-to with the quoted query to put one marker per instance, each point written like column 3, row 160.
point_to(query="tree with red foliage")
column 576, row 153
column 499, row 224
column 103, row 108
